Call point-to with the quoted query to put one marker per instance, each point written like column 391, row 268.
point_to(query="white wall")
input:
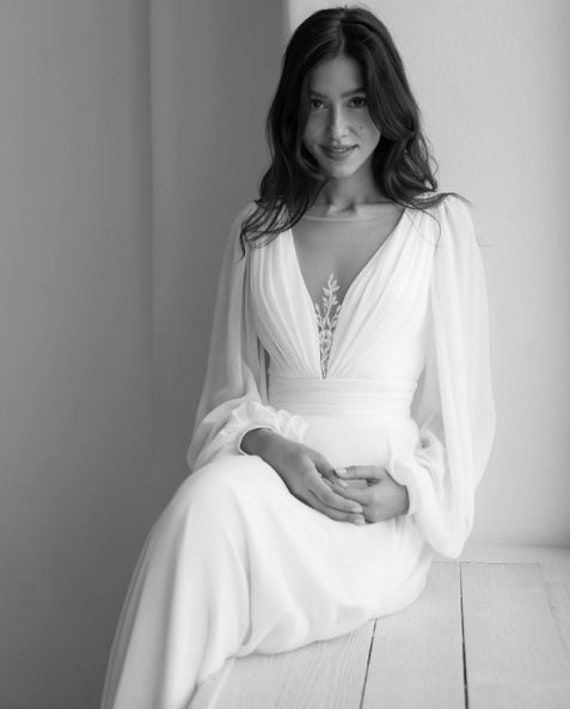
column 492, row 80
column 75, row 315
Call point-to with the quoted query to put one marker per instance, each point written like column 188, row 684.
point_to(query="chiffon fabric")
column 236, row 564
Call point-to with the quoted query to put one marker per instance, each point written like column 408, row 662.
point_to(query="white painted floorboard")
column 322, row 675
column 416, row 658
column 514, row 656
column 491, row 631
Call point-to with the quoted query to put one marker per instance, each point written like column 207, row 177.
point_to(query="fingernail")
column 342, row 483
column 359, row 520
column 357, row 509
column 341, row 471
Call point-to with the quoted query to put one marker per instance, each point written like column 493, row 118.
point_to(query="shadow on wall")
column 215, row 70
column 81, row 278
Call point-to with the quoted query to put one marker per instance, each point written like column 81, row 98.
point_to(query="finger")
column 360, row 482
column 334, row 499
column 359, row 495
column 333, row 513
column 328, row 472
column 334, row 480
column 336, row 484
column 360, row 471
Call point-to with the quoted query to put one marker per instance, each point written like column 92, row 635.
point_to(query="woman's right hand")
column 306, row 472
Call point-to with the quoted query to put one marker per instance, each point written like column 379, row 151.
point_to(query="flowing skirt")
column 236, row 564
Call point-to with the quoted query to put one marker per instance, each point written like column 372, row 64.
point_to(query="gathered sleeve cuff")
column 252, row 415
column 453, row 405
column 234, row 393
column 410, row 470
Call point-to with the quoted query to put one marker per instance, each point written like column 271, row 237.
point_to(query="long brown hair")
column 401, row 163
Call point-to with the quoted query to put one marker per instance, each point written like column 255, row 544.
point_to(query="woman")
column 347, row 414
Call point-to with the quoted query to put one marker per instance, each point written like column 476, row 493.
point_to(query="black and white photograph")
column 284, row 380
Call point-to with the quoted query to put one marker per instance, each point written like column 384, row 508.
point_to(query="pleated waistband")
column 342, row 397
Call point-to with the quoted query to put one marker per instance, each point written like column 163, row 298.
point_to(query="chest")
column 338, row 250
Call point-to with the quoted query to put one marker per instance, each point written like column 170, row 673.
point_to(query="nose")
column 337, row 125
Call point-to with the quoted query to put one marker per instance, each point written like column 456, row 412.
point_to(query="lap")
column 237, row 492
column 230, row 481
column 236, row 488
column 233, row 474
column 243, row 501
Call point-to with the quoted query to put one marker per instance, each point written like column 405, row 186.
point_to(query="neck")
column 344, row 194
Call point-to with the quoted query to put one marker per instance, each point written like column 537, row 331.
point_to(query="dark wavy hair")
column 401, row 163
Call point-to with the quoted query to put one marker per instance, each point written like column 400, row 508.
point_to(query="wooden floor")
column 491, row 630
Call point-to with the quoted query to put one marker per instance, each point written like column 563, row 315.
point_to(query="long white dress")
column 236, row 564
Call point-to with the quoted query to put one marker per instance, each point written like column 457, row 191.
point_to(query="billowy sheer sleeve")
column 453, row 405
column 234, row 394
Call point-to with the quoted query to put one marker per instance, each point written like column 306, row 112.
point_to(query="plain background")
column 131, row 132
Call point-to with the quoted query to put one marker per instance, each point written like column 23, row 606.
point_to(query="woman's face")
column 339, row 118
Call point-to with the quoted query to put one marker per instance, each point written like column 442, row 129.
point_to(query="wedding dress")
column 236, row 564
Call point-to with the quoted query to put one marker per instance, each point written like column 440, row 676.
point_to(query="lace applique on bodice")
column 327, row 317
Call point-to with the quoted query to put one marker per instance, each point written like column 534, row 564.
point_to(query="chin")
column 340, row 171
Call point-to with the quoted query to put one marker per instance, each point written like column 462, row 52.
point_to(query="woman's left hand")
column 382, row 499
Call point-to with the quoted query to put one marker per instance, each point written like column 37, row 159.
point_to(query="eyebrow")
column 359, row 90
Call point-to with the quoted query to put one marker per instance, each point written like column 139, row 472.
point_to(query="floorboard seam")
column 465, row 691
column 547, row 586
column 361, row 704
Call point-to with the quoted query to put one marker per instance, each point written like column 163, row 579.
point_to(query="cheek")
column 311, row 129
column 372, row 132
column 310, row 135
column 370, row 128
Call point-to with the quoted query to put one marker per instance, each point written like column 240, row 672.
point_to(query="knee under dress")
column 236, row 564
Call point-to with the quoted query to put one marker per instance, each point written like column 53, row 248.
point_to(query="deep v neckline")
column 341, row 312
column 361, row 273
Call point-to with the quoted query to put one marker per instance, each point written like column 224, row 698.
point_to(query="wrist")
column 406, row 501
column 255, row 442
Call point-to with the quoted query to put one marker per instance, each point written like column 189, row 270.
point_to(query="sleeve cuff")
column 404, row 474
column 253, row 414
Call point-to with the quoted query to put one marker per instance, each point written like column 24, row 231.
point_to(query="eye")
column 360, row 100
column 312, row 103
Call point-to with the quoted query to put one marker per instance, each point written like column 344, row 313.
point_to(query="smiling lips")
column 338, row 152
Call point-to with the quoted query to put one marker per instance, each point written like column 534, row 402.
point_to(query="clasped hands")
column 356, row 493
column 371, row 486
